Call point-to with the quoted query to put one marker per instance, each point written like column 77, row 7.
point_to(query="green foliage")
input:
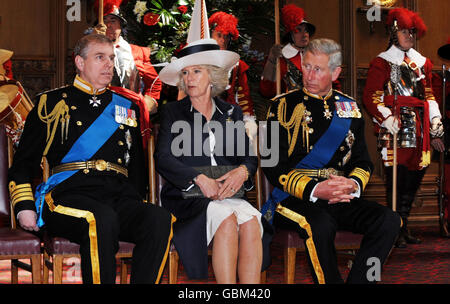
column 164, row 37
column 169, row 24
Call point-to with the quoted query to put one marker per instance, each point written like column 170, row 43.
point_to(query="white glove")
column 437, row 129
column 251, row 128
column 391, row 124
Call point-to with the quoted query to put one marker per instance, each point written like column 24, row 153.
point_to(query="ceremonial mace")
column 277, row 41
column 442, row 154
column 395, row 78
column 100, row 12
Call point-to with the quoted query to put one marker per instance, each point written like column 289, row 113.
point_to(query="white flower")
column 139, row 9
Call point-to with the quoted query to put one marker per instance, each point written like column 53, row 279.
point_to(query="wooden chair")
column 57, row 249
column 156, row 184
column 15, row 243
column 291, row 242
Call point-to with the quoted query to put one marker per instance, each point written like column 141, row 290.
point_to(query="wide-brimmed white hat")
column 200, row 49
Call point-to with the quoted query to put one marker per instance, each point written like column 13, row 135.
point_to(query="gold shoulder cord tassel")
column 294, row 121
column 60, row 113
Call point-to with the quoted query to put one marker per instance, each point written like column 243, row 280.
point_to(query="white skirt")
column 219, row 210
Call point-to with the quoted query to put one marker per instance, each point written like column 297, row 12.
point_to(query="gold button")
column 79, row 123
column 120, row 143
column 311, row 147
column 311, row 131
column 119, row 160
column 73, row 107
column 336, row 97
column 86, row 171
column 64, row 95
column 342, row 148
column 121, row 127
column 305, row 97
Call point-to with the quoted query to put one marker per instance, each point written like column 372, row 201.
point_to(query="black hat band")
column 198, row 48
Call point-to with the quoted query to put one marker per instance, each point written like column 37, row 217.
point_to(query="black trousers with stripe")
column 100, row 211
column 379, row 225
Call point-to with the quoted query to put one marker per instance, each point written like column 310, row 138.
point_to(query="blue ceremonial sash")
column 83, row 149
column 317, row 158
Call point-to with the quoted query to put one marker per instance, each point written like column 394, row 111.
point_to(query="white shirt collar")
column 396, row 56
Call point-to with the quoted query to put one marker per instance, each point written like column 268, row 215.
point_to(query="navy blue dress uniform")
column 190, row 237
column 319, row 136
column 94, row 196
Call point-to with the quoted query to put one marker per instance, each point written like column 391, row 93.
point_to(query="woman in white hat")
column 195, row 132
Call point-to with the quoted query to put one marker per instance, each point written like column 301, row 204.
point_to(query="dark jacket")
column 178, row 132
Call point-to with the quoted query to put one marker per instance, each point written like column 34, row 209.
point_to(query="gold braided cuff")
column 294, row 183
column 246, row 171
column 362, row 175
column 19, row 193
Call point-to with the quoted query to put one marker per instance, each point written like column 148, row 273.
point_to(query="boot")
column 410, row 239
column 406, row 235
column 401, row 241
column 445, row 231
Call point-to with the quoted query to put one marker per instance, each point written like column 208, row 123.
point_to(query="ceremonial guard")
column 399, row 97
column 94, row 195
column 323, row 169
column 224, row 29
column 298, row 34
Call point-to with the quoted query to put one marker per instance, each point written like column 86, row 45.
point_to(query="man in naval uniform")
column 94, row 196
column 323, row 169
column 399, row 97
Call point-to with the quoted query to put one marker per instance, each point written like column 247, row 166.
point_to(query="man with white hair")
column 323, row 169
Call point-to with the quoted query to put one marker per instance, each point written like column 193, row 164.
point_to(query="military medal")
column 94, row 101
column 125, row 116
column 327, row 114
column 347, row 109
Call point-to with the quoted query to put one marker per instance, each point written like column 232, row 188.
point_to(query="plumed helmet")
column 111, row 7
column 292, row 16
column 224, row 23
column 402, row 18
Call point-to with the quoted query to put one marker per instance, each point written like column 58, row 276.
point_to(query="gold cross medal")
column 327, row 114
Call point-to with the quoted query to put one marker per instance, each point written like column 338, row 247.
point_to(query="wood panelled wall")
column 43, row 39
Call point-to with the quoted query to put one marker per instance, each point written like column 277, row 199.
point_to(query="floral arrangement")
column 163, row 25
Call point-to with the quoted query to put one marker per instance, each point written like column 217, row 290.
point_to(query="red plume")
column 419, row 25
column 108, row 6
column 224, row 23
column 291, row 16
column 406, row 19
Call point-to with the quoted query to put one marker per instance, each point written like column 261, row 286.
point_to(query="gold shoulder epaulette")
column 51, row 90
column 343, row 94
column 283, row 94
